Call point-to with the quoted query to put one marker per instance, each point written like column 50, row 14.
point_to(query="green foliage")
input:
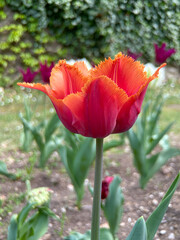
column 105, row 234
column 145, row 136
column 2, row 15
column 4, row 171
column 76, row 160
column 147, row 231
column 26, row 136
column 29, row 60
column 46, row 142
column 139, row 231
column 142, row 230
column 96, row 29
column 22, row 226
column 113, row 205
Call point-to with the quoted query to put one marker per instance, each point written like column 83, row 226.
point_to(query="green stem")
column 95, row 235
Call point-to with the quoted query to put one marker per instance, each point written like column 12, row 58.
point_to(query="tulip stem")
column 95, row 234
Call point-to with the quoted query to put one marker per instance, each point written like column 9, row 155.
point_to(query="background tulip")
column 28, row 76
column 162, row 53
column 105, row 186
column 135, row 56
column 45, row 71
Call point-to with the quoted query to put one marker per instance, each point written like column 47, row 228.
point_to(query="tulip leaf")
column 156, row 217
column 139, row 231
column 77, row 162
column 105, row 234
column 46, row 152
column 113, row 206
column 114, row 143
column 13, row 228
column 138, row 151
column 34, row 131
column 52, row 125
column 23, row 214
column 155, row 162
column 35, row 227
column 158, row 138
column 4, row 171
column 154, row 115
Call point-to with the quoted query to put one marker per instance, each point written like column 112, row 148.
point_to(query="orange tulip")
column 106, row 99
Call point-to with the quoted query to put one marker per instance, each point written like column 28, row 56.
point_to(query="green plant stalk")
column 95, row 234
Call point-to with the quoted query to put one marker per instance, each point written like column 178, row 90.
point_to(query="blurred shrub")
column 96, row 28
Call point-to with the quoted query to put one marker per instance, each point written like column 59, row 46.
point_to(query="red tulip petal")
column 104, row 68
column 38, row 86
column 70, row 111
column 128, row 74
column 82, row 68
column 129, row 113
column 103, row 101
column 131, row 109
column 124, row 71
column 66, row 79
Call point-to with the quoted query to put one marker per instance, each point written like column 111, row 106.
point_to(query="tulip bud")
column 105, row 186
column 39, row 196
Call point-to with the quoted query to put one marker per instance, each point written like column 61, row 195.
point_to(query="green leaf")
column 35, row 227
column 23, row 215
column 114, row 143
column 113, row 206
column 4, row 171
column 13, row 228
column 105, row 234
column 46, row 152
column 138, row 151
column 158, row 138
column 46, row 210
column 77, row 162
column 156, row 217
column 34, row 130
column 74, row 236
column 156, row 162
column 27, row 110
column 52, row 125
column 139, row 231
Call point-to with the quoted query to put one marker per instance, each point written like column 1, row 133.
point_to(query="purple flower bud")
column 45, row 71
column 135, row 56
column 28, row 76
column 162, row 54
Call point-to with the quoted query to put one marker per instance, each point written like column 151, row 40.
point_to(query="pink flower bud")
column 105, row 186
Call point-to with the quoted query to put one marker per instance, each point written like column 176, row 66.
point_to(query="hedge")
column 98, row 28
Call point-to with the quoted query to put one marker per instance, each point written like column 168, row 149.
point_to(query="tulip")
column 105, row 186
column 28, row 76
column 45, row 71
column 95, row 103
column 162, row 54
column 135, row 56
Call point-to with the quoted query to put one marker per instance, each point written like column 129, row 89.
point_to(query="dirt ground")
column 138, row 202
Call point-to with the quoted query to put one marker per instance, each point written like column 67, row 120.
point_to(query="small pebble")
column 171, row 236
column 161, row 194
column 70, row 187
column 122, row 224
column 162, row 232
column 151, row 196
column 129, row 220
column 155, row 202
